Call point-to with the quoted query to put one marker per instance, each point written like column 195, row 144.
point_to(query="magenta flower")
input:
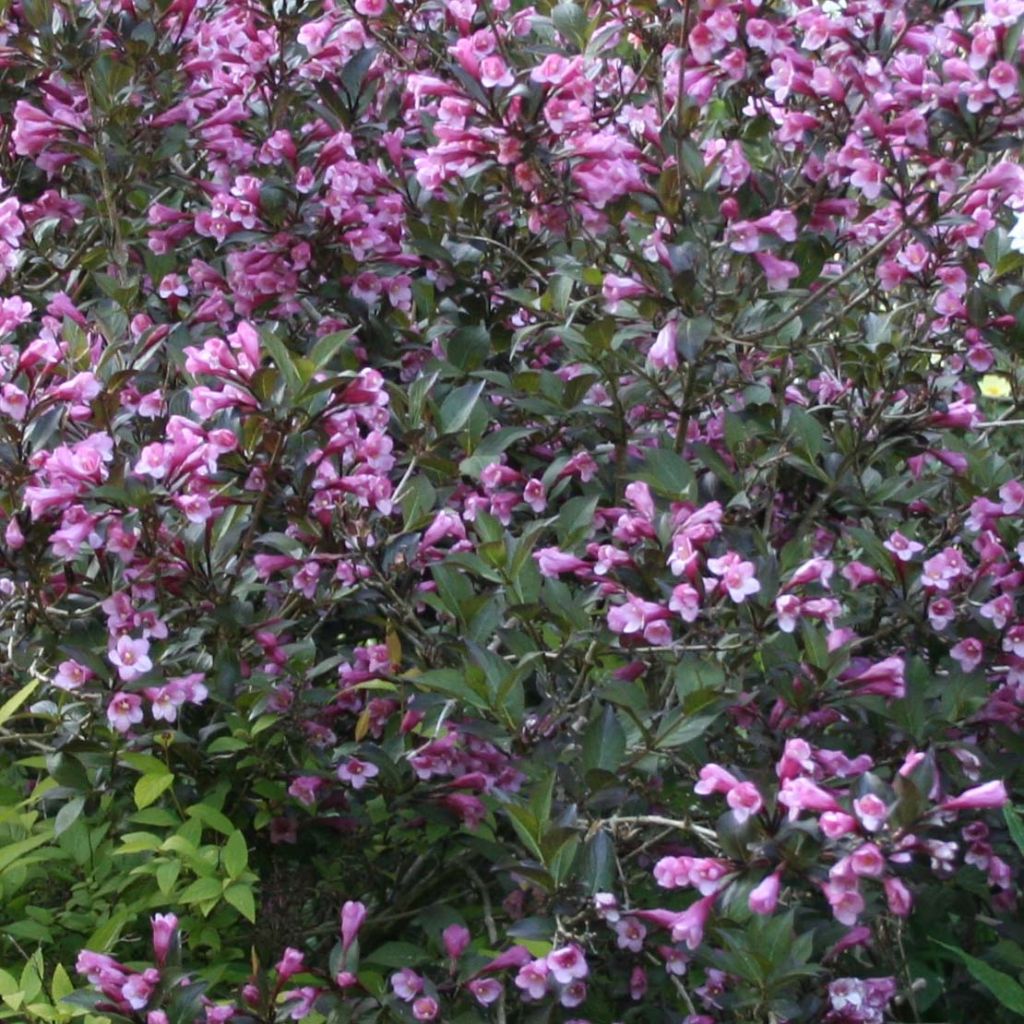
column 356, row 772
column 765, row 897
column 737, row 576
column 567, row 964
column 124, row 711
column 291, row 963
column 131, row 658
column 485, row 990
column 71, row 675
column 425, row 1008
column 353, row 914
column 533, row 979
column 455, row 938
column 164, row 928
column 988, row 796
column 689, row 925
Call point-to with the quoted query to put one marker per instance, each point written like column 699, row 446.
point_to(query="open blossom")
column 407, row 984
column 737, row 576
column 630, row 934
column 532, row 978
column 124, row 711
column 356, row 772
column 71, row 675
column 567, row 964
column 744, row 800
column 131, row 658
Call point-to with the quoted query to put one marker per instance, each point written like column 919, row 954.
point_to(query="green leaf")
column 458, row 407
column 669, row 474
column 241, row 898
column 604, row 742
column 10, row 706
column 326, row 348
column 68, row 815
column 284, row 360
column 235, row 855
column 468, row 347
column 1008, row 991
column 597, row 869
column 571, row 21
column 212, row 818
column 1015, row 825
column 396, row 954
column 202, row 889
column 61, row 985
column 149, row 788
column 9, row 854
column 525, row 825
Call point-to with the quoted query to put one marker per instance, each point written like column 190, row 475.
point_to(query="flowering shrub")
column 511, row 513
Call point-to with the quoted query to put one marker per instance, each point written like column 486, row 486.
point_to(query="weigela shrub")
column 511, row 513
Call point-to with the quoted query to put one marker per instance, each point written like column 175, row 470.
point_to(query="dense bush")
column 511, row 513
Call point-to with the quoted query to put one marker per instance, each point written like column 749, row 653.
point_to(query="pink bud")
column 765, row 897
column 456, row 939
column 164, row 927
column 898, row 897
column 984, row 797
column 353, row 914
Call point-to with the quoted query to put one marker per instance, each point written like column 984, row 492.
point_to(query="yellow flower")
column 994, row 385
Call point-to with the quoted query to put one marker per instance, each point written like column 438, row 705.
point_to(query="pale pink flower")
column 124, row 711
column 407, row 984
column 765, row 897
column 356, row 772
column 131, row 658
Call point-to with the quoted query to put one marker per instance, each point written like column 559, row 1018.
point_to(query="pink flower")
column 552, row 562
column 356, row 772
column 164, row 928
column 847, row 904
column 455, row 938
column 71, row 675
column 836, row 824
column 305, row 788
column 291, row 963
column 425, row 1008
column 124, row 711
column 138, row 988
column 898, row 897
column 737, row 576
column 131, row 658
column 407, row 984
column 867, row 861
column 968, row 652
column 902, row 547
column 533, row 979
column 765, row 897
column 689, row 925
column 629, row 934
column 663, row 355
column 685, row 602
column 566, row 964
column 494, row 72
column 715, row 779
column 984, row 797
column 872, row 811
column 778, row 273
column 353, row 914
column 485, row 990
column 745, row 801
column 885, row 679
column 803, row 795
